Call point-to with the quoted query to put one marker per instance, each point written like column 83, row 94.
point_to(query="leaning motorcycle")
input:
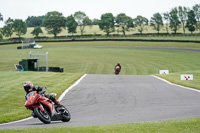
column 117, row 70
column 45, row 110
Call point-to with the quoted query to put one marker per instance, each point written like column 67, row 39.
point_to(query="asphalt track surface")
column 117, row 99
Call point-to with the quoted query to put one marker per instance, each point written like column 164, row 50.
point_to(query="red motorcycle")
column 45, row 110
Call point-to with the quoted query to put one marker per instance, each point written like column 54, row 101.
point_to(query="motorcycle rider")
column 118, row 66
column 28, row 87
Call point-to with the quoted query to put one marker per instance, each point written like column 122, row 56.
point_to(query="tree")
column 141, row 22
column 156, row 21
column 7, row 30
column 1, row 19
column 33, row 21
column 191, row 21
column 182, row 13
column 54, row 22
column 19, row 27
column 87, row 22
column 71, row 24
column 196, row 9
column 166, row 17
column 95, row 21
column 107, row 23
column 82, row 20
column 174, row 20
column 124, row 22
column 36, row 31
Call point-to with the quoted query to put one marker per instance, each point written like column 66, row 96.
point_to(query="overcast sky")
column 21, row 9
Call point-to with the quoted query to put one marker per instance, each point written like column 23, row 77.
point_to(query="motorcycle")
column 45, row 110
column 117, row 70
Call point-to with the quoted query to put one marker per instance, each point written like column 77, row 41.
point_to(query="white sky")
column 21, row 9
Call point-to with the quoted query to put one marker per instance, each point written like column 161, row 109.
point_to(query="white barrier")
column 186, row 76
column 164, row 71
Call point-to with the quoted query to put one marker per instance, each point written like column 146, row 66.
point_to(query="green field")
column 78, row 58
column 100, row 57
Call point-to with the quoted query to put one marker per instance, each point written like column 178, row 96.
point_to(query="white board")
column 164, row 71
column 186, row 76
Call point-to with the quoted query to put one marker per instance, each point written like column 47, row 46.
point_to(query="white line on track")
column 59, row 99
column 192, row 89
column 67, row 90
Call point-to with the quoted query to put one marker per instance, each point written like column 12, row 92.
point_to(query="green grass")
column 100, row 57
column 175, row 78
column 78, row 58
column 175, row 126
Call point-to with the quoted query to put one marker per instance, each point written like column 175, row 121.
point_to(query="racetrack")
column 117, row 99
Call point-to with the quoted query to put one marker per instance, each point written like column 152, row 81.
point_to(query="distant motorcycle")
column 117, row 70
column 45, row 110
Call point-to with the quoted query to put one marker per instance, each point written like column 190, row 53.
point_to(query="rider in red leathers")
column 28, row 87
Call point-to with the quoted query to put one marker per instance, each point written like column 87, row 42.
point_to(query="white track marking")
column 67, row 90
column 16, row 121
column 176, row 84
column 59, row 99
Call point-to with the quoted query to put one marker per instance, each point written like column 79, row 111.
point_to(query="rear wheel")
column 42, row 115
column 66, row 115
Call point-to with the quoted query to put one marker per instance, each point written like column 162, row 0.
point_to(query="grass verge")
column 175, row 126
column 176, row 78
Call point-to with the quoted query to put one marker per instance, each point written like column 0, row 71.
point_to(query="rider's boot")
column 56, row 102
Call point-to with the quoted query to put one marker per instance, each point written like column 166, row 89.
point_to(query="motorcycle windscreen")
column 31, row 98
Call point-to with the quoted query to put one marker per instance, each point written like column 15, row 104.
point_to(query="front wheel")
column 42, row 115
column 116, row 72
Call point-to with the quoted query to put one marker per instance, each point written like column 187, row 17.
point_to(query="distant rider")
column 28, row 87
column 118, row 66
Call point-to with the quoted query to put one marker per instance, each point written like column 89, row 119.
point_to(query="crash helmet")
column 28, row 86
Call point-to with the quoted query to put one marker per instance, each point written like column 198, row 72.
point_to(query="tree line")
column 54, row 22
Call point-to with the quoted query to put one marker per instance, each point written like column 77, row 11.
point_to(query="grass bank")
column 176, row 78
column 101, row 57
